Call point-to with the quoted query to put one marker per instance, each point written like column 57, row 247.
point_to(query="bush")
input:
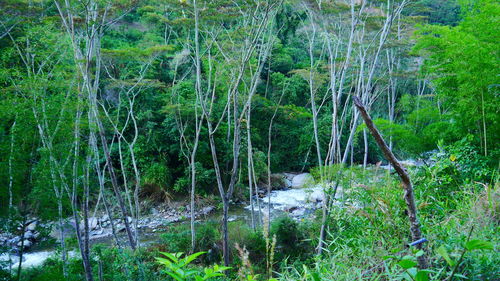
column 208, row 239
column 241, row 234
column 177, row 239
column 291, row 239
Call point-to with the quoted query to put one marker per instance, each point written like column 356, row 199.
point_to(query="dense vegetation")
column 117, row 106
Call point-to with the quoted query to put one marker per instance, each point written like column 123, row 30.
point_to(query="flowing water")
column 296, row 202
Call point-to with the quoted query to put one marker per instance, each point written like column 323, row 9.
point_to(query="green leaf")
column 478, row 245
column 315, row 276
column 192, row 257
column 443, row 253
column 173, row 257
column 422, row 276
column 175, row 276
column 406, row 263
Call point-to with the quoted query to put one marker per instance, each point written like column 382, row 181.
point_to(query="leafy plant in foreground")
column 409, row 264
column 177, row 267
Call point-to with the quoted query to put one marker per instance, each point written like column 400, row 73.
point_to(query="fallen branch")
column 405, row 179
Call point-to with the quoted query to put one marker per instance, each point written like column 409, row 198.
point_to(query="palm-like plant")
column 177, row 267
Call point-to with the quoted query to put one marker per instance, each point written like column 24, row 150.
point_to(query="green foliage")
column 445, row 12
column 453, row 166
column 462, row 62
column 457, row 114
column 178, row 269
column 292, row 241
column 177, row 239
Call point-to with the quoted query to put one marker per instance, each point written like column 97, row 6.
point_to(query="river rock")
column 277, row 181
column 31, row 226
column 29, row 235
column 316, row 196
column 302, row 180
column 207, row 210
column 92, row 221
column 120, row 227
column 299, row 212
column 27, row 243
column 105, row 218
column 14, row 240
column 96, row 232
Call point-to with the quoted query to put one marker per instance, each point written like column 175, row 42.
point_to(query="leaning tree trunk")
column 405, row 179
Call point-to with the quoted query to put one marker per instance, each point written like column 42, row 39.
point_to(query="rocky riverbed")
column 295, row 194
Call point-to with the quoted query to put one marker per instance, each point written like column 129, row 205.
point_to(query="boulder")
column 105, row 218
column 316, row 196
column 120, row 227
column 27, row 243
column 302, row 180
column 298, row 212
column 14, row 240
column 92, row 221
column 31, row 226
column 277, row 181
column 29, row 235
column 207, row 210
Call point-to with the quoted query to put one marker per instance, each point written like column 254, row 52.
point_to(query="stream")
column 296, row 199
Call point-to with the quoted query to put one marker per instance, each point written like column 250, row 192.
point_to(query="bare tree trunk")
column 250, row 171
column 11, row 182
column 114, row 181
column 269, row 144
column 405, row 179
column 365, row 157
column 86, row 245
column 198, row 124
column 21, row 249
column 11, row 157
column 100, row 177
column 225, row 240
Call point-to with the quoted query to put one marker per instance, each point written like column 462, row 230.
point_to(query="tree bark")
column 405, row 179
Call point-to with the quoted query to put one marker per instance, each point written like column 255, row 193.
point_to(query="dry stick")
column 405, row 179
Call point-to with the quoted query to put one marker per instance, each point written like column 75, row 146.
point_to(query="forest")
column 249, row 140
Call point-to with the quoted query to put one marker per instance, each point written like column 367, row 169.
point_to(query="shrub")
column 292, row 241
column 177, row 239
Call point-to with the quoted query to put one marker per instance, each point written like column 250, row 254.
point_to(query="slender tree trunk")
column 365, row 157
column 250, row 170
column 225, row 231
column 86, row 246
column 225, row 249
column 21, row 250
column 114, row 181
column 11, row 157
column 11, row 183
